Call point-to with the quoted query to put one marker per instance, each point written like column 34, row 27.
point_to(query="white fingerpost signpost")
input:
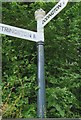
column 42, row 20
column 38, row 37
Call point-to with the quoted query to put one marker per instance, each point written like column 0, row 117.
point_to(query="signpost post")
column 38, row 37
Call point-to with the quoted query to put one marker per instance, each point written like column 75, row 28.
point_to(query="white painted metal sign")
column 54, row 11
column 20, row 33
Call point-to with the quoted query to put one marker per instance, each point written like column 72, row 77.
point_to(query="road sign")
column 54, row 11
column 20, row 33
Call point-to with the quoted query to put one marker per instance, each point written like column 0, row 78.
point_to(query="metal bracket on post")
column 41, row 108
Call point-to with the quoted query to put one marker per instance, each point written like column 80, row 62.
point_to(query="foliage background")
column 62, row 62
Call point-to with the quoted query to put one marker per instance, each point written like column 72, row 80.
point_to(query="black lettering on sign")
column 30, row 35
column 52, row 13
column 34, row 36
column 2, row 28
column 25, row 34
column 58, row 7
column 46, row 19
column 7, row 29
column 49, row 15
column 43, row 21
column 14, row 31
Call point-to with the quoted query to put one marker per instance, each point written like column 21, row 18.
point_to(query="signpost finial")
column 39, row 14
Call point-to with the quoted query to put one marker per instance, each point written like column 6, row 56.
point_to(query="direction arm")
column 19, row 33
column 54, row 11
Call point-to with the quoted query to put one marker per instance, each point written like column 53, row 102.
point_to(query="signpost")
column 38, row 37
column 42, row 20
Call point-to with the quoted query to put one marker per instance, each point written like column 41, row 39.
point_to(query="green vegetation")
column 62, row 62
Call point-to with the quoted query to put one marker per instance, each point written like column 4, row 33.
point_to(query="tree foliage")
column 62, row 62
